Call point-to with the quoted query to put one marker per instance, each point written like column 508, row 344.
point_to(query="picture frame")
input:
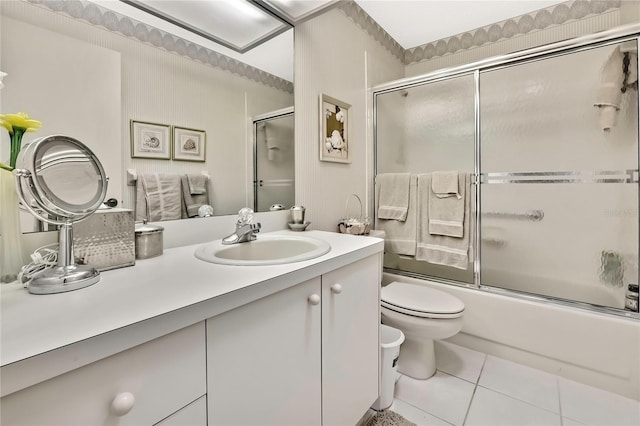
column 334, row 130
column 150, row 140
column 189, row 144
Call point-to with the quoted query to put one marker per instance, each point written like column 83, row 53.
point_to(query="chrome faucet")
column 246, row 230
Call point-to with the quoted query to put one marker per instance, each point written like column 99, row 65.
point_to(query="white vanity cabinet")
column 307, row 355
column 142, row 385
column 192, row 343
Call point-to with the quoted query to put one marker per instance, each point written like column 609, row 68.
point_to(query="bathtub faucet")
column 246, row 230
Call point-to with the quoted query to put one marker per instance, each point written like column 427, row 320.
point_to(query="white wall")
column 337, row 58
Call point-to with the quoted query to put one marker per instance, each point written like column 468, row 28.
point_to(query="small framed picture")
column 150, row 140
column 334, row 130
column 189, row 144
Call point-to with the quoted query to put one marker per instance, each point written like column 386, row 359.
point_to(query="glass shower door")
column 559, row 180
column 273, row 162
column 426, row 128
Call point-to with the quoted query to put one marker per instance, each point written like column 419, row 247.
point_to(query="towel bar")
column 275, row 182
column 533, row 215
column 132, row 176
column 601, row 176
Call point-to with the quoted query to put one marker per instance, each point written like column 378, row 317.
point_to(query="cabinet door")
column 194, row 414
column 350, row 341
column 263, row 360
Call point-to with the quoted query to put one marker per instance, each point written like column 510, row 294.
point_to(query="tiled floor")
column 471, row 388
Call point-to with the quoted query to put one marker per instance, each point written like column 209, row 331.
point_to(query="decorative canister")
column 148, row 240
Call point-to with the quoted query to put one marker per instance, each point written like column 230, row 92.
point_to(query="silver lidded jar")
column 297, row 214
column 149, row 241
column 631, row 299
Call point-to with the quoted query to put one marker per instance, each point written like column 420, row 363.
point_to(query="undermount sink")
column 265, row 250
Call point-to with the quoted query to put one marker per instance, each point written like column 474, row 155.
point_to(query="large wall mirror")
column 87, row 70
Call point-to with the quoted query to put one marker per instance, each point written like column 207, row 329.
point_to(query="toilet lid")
column 420, row 301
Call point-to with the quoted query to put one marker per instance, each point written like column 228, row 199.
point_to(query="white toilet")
column 423, row 314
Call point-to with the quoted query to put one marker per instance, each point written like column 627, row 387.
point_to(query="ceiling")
column 411, row 23
column 416, row 22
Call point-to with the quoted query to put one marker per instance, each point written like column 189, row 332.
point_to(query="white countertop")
column 132, row 305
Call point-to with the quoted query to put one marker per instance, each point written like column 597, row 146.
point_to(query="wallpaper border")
column 510, row 28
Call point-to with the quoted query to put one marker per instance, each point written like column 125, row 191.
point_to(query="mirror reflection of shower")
column 273, row 160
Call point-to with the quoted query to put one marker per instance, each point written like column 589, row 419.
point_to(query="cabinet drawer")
column 162, row 375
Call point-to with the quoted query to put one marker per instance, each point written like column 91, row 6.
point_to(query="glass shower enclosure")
column 273, row 160
column 550, row 139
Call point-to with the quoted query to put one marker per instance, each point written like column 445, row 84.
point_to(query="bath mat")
column 388, row 418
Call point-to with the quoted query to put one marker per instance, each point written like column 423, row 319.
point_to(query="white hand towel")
column 447, row 203
column 394, row 195
column 192, row 202
column 445, row 184
column 439, row 249
column 197, row 184
column 400, row 237
column 159, row 197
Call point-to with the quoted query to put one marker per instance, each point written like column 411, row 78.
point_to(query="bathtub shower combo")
column 547, row 140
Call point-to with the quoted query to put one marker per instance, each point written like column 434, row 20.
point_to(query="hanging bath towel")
column 394, row 195
column 439, row 249
column 400, row 236
column 447, row 203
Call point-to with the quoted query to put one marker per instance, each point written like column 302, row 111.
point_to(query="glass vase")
column 11, row 252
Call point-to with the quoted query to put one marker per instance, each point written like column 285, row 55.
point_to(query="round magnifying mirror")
column 61, row 181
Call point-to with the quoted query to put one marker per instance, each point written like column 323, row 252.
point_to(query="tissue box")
column 106, row 239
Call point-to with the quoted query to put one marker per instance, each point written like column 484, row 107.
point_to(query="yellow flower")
column 20, row 120
column 17, row 125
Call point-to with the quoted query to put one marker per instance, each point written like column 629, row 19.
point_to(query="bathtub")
column 596, row 349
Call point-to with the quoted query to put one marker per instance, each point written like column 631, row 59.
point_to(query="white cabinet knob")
column 336, row 289
column 314, row 299
column 123, row 403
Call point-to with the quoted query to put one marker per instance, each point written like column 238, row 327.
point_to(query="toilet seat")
column 420, row 301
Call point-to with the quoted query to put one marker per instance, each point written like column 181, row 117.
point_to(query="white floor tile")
column 527, row 384
column 570, row 422
column 490, row 408
column 459, row 361
column 415, row 415
column 444, row 396
column 594, row 406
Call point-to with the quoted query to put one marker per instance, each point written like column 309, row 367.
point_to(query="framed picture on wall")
column 150, row 140
column 334, row 130
column 189, row 144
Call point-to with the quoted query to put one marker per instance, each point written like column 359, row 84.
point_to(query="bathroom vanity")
column 178, row 341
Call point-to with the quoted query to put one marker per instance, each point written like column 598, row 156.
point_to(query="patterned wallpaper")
column 101, row 17
column 524, row 24
column 367, row 23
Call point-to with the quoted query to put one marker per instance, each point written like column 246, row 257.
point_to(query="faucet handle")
column 245, row 216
